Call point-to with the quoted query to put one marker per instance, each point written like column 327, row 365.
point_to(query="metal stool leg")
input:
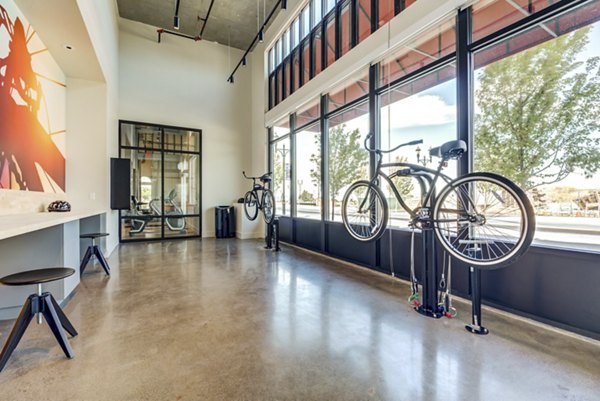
column 25, row 317
column 101, row 259
column 64, row 321
column 56, row 326
column 86, row 259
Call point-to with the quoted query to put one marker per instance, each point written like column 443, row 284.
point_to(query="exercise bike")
column 141, row 217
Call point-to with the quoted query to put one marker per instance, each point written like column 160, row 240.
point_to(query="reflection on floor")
column 227, row 320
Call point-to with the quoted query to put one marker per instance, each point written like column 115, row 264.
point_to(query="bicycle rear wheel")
column 364, row 211
column 251, row 205
column 268, row 204
column 484, row 220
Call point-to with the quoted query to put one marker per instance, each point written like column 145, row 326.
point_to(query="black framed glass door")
column 165, row 165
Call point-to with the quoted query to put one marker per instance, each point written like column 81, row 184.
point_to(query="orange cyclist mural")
column 30, row 156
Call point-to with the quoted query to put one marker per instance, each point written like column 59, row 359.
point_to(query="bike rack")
column 272, row 237
column 429, row 305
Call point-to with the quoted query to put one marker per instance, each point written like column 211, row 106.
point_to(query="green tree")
column 540, row 113
column 347, row 161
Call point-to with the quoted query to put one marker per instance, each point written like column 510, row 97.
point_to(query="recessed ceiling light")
column 68, row 47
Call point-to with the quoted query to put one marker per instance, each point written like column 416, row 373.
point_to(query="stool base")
column 57, row 320
column 94, row 250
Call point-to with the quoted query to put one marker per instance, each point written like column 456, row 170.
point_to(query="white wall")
column 183, row 83
column 101, row 21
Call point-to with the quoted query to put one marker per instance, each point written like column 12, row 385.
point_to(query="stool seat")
column 93, row 235
column 38, row 276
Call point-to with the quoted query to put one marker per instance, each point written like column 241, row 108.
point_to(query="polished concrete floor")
column 227, row 320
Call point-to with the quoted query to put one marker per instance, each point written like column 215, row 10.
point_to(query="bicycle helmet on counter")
column 59, row 206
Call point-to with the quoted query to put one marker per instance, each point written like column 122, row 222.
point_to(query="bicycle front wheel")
column 484, row 220
column 268, row 204
column 251, row 205
column 364, row 211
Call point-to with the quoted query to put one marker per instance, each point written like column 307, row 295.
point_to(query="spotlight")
column 176, row 17
column 230, row 80
column 283, row 4
column 261, row 36
column 244, row 61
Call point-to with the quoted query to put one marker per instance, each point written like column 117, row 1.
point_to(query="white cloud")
column 419, row 110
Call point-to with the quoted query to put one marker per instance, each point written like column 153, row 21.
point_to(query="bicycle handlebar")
column 379, row 151
column 254, row 178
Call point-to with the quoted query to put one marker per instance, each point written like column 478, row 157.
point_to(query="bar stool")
column 92, row 250
column 42, row 303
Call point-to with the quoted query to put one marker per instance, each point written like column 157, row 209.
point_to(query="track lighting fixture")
column 176, row 17
column 260, row 36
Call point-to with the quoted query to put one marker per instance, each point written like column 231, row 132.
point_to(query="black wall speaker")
column 120, row 177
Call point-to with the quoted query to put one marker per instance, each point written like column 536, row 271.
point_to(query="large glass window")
column 280, row 151
column 348, row 159
column 281, row 128
column 317, row 7
column 386, row 11
column 422, row 109
column 537, row 102
column 364, row 19
column 345, row 28
column 317, row 50
column 306, row 61
column 349, row 91
column 305, row 21
column 330, row 41
column 165, row 181
column 490, row 16
column 426, row 49
column 296, row 69
column 308, row 172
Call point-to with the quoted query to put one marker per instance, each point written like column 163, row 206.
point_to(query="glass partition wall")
column 518, row 81
column 165, row 183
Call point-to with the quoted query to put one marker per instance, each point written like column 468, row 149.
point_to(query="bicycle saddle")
column 449, row 150
column 265, row 178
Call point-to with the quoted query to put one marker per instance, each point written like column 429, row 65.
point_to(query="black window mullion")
column 464, row 90
column 398, row 6
column 162, row 184
column 338, row 29
column 323, row 24
column 374, row 15
column 374, row 127
column 312, row 54
column 293, row 195
column 353, row 23
column 324, row 171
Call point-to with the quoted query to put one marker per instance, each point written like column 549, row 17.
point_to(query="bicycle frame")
column 255, row 188
column 426, row 177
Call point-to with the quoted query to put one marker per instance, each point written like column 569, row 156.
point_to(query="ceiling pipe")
column 257, row 38
column 160, row 31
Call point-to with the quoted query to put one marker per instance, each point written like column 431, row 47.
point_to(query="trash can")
column 224, row 222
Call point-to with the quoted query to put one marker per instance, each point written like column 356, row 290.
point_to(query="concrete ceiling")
column 237, row 17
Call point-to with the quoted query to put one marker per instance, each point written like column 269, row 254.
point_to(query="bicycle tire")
column 492, row 238
column 251, row 205
column 268, row 206
column 360, row 224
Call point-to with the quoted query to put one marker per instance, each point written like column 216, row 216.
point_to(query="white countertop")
column 17, row 224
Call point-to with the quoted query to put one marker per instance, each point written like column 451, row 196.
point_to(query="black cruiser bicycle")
column 482, row 219
column 265, row 202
